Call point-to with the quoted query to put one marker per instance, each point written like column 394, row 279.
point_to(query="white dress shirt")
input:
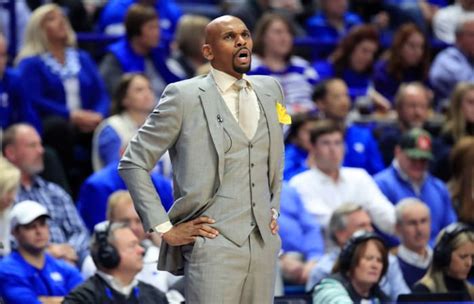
column 321, row 195
column 230, row 94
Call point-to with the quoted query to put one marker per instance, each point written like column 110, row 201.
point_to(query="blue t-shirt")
column 20, row 282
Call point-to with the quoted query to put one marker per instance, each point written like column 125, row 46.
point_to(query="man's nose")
column 240, row 41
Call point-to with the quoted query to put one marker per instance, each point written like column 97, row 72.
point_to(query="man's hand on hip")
column 186, row 233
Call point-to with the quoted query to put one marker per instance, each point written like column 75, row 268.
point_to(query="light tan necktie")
column 247, row 116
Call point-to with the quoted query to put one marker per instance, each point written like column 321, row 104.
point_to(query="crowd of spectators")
column 381, row 94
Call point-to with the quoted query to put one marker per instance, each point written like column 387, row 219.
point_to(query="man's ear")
column 9, row 154
column 207, row 52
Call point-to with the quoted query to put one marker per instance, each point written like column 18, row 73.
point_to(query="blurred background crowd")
column 381, row 94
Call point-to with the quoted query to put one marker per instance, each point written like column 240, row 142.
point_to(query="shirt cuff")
column 163, row 228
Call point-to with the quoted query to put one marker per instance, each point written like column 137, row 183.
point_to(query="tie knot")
column 241, row 84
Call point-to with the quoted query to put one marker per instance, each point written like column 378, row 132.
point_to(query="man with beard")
column 224, row 135
column 69, row 239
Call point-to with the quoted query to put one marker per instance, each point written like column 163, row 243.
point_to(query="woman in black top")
column 452, row 262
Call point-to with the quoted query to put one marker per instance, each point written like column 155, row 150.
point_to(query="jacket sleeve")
column 37, row 84
column 330, row 291
column 158, row 134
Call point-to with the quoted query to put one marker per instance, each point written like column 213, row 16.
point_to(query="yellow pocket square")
column 283, row 117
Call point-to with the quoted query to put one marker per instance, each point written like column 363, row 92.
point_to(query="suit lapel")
column 268, row 103
column 209, row 98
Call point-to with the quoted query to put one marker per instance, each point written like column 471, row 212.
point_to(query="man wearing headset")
column 119, row 258
column 345, row 220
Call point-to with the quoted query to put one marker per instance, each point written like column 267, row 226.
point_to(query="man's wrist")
column 163, row 228
column 275, row 213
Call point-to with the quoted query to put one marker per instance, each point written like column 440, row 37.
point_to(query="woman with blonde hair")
column 9, row 183
column 453, row 256
column 459, row 123
column 461, row 184
column 66, row 90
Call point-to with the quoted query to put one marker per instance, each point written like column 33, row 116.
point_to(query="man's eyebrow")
column 227, row 32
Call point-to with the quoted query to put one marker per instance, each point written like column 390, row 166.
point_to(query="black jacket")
column 96, row 290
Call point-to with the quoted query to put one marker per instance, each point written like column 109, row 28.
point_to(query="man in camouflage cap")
column 408, row 176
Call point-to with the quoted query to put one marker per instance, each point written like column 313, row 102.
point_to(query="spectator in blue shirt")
column 112, row 17
column 352, row 61
column 14, row 105
column 30, row 274
column 298, row 144
column 332, row 99
column 301, row 237
column 454, row 64
column 408, row 176
column 273, row 47
column 332, row 22
column 138, row 51
column 94, row 193
column 64, row 86
column 407, row 60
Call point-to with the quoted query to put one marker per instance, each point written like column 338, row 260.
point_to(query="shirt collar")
column 414, row 258
column 36, row 182
column 326, row 178
column 117, row 286
column 404, row 176
column 225, row 81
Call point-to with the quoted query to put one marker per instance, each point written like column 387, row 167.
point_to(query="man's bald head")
column 228, row 45
column 213, row 28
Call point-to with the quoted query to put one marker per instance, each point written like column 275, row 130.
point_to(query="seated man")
column 119, row 258
column 327, row 185
column 408, row 176
column 345, row 220
column 301, row 238
column 69, row 237
column 29, row 274
column 138, row 51
column 413, row 228
column 333, row 102
column 453, row 64
column 412, row 104
column 120, row 209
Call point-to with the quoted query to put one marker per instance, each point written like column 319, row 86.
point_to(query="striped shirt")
column 65, row 225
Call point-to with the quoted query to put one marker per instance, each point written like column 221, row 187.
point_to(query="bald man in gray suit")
column 221, row 232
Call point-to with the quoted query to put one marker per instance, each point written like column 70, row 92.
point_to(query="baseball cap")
column 416, row 143
column 26, row 212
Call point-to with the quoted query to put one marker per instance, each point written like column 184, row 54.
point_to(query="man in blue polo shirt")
column 29, row 274
column 408, row 176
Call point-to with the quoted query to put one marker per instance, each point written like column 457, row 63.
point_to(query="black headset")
column 347, row 252
column 444, row 247
column 106, row 255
